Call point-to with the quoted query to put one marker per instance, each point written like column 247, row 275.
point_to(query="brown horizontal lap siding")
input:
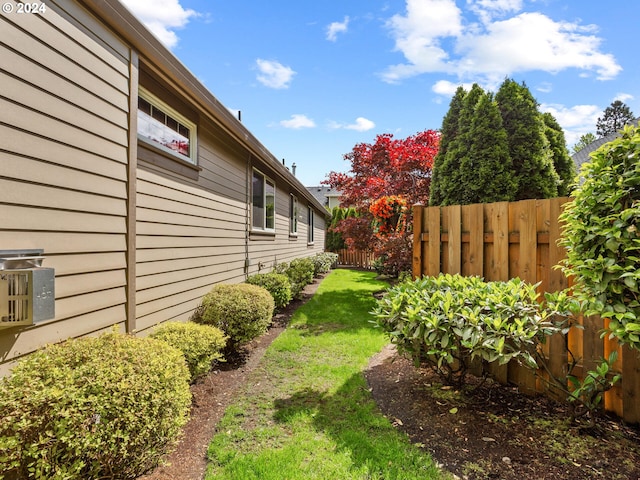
column 63, row 166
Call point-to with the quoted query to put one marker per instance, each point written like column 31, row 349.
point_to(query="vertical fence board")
column 476, row 240
column 435, row 245
column 499, row 221
column 454, row 242
column 631, row 385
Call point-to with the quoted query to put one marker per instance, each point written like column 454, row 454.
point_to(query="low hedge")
column 201, row 345
column 300, row 273
column 277, row 284
column 106, row 407
column 323, row 262
column 242, row 311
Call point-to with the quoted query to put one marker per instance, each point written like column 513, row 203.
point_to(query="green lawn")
column 306, row 412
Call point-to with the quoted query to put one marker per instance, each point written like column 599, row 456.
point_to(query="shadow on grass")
column 351, row 418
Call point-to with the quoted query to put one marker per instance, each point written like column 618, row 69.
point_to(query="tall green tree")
column 528, row 145
column 562, row 161
column 614, row 117
column 448, row 132
column 452, row 186
column 486, row 169
column 583, row 141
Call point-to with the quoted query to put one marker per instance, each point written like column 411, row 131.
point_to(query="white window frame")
column 293, row 215
column 158, row 104
column 261, row 215
column 311, row 225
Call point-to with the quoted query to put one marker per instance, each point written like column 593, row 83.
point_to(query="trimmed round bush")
column 277, row 284
column 242, row 311
column 323, row 262
column 300, row 273
column 105, row 407
column 602, row 236
column 201, row 345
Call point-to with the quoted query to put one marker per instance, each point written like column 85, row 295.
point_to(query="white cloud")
column 545, row 87
column 298, row 121
column 623, row 97
column 418, row 34
column 337, row 27
column 361, row 125
column 494, row 49
column 488, row 9
column 447, row 88
column 575, row 121
column 273, row 74
column 161, row 17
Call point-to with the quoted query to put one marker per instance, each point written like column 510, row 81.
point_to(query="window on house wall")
column 165, row 129
column 311, row 224
column 293, row 215
column 264, row 202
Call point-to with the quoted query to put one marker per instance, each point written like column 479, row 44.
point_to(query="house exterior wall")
column 63, row 185
column 134, row 240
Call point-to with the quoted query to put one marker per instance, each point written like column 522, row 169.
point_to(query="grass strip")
column 306, row 412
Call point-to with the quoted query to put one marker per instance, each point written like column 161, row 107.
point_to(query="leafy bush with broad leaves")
column 300, row 273
column 242, row 311
column 201, row 345
column 323, row 262
column 446, row 322
column 278, row 285
column 106, row 407
column 602, row 236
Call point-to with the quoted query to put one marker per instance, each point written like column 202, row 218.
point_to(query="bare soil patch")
column 498, row 432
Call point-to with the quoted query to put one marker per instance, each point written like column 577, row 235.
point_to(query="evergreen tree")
column 584, row 140
column 452, row 190
column 614, row 117
column 448, row 133
column 528, row 145
column 487, row 173
column 562, row 161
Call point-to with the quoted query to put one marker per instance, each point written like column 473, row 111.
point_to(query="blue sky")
column 313, row 79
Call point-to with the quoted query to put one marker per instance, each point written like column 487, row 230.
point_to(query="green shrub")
column 277, row 284
column 300, row 273
column 602, row 236
column 107, row 407
column 242, row 311
column 445, row 322
column 323, row 262
column 201, row 345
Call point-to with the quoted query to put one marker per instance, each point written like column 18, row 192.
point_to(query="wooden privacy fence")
column 356, row 258
column 503, row 240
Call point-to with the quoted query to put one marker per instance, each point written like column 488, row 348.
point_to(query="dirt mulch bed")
column 498, row 432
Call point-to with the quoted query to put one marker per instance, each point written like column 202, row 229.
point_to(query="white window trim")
column 265, row 179
column 293, row 215
column 160, row 105
column 311, row 226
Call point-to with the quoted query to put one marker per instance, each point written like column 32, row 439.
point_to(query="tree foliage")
column 562, row 161
column 614, row 117
column 583, row 141
column 517, row 154
column 388, row 167
column 528, row 145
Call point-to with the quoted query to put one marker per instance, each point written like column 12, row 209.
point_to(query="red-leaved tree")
column 385, row 180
